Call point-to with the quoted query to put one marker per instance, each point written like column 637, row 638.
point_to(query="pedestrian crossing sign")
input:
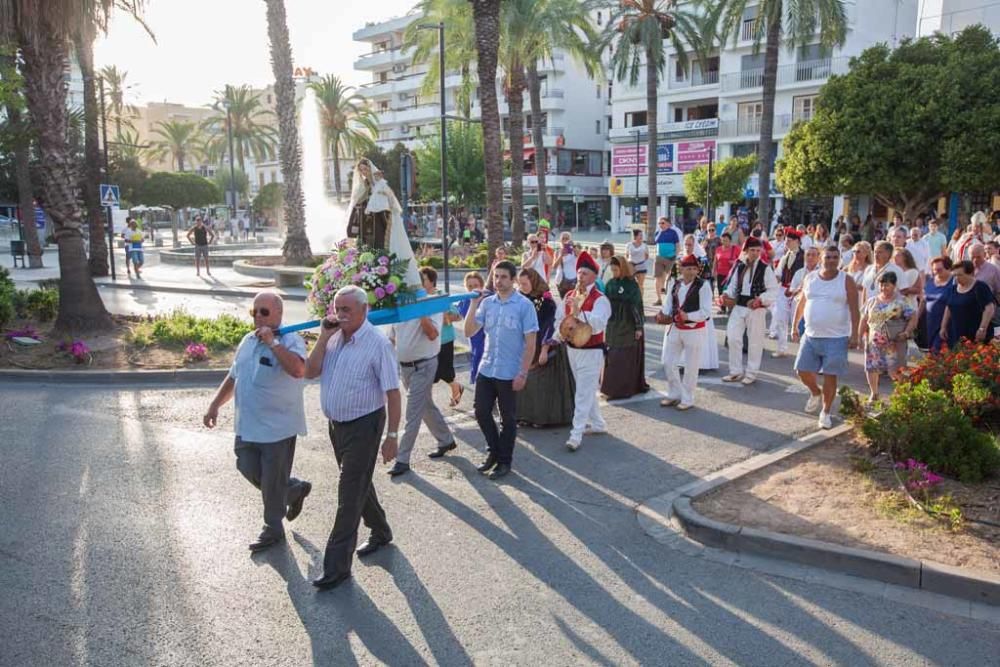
column 109, row 195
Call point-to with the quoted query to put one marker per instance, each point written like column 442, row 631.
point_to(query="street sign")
column 39, row 217
column 578, row 199
column 109, row 195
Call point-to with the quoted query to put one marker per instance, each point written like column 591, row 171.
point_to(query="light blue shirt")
column 935, row 243
column 505, row 324
column 269, row 405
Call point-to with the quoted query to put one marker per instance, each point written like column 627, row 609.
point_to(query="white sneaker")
column 748, row 380
column 824, row 420
column 595, row 430
column 814, row 403
column 572, row 445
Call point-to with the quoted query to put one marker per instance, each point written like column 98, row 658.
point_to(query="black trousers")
column 356, row 446
column 490, row 391
column 268, row 465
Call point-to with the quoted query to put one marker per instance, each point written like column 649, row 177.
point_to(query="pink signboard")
column 691, row 154
column 625, row 159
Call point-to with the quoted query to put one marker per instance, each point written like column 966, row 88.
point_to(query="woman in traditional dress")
column 625, row 363
column 547, row 397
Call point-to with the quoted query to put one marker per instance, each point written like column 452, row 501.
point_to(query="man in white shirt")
column 418, row 343
column 686, row 308
column 920, row 250
column 883, row 263
column 751, row 291
column 829, row 303
column 566, row 259
column 793, row 291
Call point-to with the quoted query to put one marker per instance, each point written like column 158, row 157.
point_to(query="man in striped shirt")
column 359, row 384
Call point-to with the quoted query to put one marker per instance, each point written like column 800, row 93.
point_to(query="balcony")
column 707, row 127
column 788, row 75
column 749, row 30
column 697, row 78
column 374, row 30
column 750, row 127
column 382, row 58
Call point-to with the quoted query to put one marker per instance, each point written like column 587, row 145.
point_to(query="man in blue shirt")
column 266, row 380
column 510, row 323
column 667, row 239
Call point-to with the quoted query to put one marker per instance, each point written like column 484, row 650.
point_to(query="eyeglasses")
column 263, row 312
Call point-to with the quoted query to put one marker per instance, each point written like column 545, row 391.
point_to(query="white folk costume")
column 586, row 358
column 687, row 336
column 754, row 288
column 709, row 360
column 784, row 305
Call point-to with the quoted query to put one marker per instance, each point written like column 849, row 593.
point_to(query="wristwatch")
column 392, row 434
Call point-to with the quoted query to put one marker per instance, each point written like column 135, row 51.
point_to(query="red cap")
column 792, row 233
column 752, row 242
column 690, row 260
column 585, row 261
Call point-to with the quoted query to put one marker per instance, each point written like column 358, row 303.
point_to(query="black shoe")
column 296, row 508
column 501, row 470
column 372, row 545
column 487, row 463
column 265, row 542
column 326, row 582
column 442, row 450
column 399, row 469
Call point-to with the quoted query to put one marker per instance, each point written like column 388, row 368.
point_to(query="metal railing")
column 697, row 78
column 744, row 127
column 553, row 92
column 749, row 30
column 803, row 115
column 800, row 72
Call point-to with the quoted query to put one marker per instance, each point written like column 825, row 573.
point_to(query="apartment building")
column 575, row 110
column 149, row 118
column 715, row 107
column 951, row 16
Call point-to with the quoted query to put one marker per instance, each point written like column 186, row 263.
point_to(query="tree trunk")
column 486, row 14
column 45, row 62
column 336, row 168
column 25, row 193
column 180, row 161
column 515, row 108
column 537, row 137
column 83, row 40
column 766, row 148
column 652, row 81
column 296, row 249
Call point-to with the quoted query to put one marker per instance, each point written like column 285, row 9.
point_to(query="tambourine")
column 575, row 331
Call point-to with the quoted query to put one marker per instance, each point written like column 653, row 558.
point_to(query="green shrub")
column 180, row 328
column 41, row 304
column 432, row 261
column 925, row 424
column 8, row 295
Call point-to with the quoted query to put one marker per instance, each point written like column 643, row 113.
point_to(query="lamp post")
column 635, row 203
column 232, row 168
column 107, row 172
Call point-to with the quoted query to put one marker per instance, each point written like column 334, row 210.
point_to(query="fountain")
column 326, row 220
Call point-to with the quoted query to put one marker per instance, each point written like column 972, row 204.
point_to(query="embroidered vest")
column 692, row 300
column 756, row 283
column 788, row 269
column 597, row 340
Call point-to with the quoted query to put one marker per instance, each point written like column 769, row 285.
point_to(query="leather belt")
column 416, row 363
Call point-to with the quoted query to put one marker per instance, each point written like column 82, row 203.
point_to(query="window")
column 383, row 106
column 383, row 77
column 635, row 119
column 748, row 117
column 564, row 162
column 598, row 18
column 803, row 107
column 269, row 98
column 595, row 163
column 608, row 118
column 274, row 176
column 812, row 53
column 598, row 91
column 597, row 127
column 260, row 178
column 678, row 115
column 610, row 88
column 752, row 61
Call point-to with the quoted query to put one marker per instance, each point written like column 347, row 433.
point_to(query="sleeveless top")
column 826, row 314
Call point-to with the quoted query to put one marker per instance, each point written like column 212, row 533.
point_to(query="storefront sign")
column 626, row 159
column 671, row 158
column 691, row 154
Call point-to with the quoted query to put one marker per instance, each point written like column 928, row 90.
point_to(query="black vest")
column 692, row 300
column 788, row 270
column 756, row 282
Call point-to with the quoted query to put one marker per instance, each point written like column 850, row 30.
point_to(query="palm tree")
column 178, row 140
column 296, row 249
column 349, row 124
column 83, row 42
column 117, row 92
column 253, row 126
column 126, row 146
column 486, row 17
column 459, row 47
column 638, row 32
column 532, row 30
column 798, row 26
column 43, row 30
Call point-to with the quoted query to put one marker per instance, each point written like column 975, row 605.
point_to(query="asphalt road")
column 126, row 524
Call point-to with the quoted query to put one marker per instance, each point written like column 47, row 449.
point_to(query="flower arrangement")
column 76, row 349
column 378, row 272
column 195, row 352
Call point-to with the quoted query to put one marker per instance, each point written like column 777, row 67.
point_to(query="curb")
column 158, row 377
column 979, row 587
column 180, row 289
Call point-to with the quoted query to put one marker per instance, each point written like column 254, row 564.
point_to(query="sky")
column 201, row 45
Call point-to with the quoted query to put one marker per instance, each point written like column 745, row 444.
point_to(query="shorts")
column 822, row 355
column 138, row 258
column 201, row 251
column 662, row 266
column 638, row 268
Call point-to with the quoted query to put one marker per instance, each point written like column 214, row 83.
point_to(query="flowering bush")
column 970, row 373
column 377, row 272
column 76, row 349
column 917, row 477
column 196, row 352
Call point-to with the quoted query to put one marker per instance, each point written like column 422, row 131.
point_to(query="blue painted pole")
column 954, row 202
column 403, row 313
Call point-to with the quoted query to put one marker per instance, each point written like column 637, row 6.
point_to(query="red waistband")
column 689, row 326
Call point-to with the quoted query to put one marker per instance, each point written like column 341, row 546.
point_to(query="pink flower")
column 379, row 293
column 381, row 270
column 383, row 260
column 390, row 289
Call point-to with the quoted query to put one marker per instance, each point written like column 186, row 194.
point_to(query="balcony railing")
column 697, row 78
column 803, row 116
column 749, row 30
column 801, row 72
column 553, row 92
column 744, row 127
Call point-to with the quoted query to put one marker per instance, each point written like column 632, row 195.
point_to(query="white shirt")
column 569, row 267
column 704, row 300
column 807, row 242
column 357, row 374
column 799, row 278
column 597, row 317
column 638, row 254
column 412, row 344
column 870, row 280
column 826, row 312
column 921, row 252
column 771, row 285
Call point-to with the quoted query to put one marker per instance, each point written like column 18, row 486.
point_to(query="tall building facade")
column 715, row 107
column 574, row 107
column 951, row 16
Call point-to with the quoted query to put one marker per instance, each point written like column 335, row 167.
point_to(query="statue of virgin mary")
column 375, row 217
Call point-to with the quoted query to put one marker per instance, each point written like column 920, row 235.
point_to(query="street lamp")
column 232, row 168
column 635, row 204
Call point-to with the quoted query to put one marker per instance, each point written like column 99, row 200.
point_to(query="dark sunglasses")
column 263, row 312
